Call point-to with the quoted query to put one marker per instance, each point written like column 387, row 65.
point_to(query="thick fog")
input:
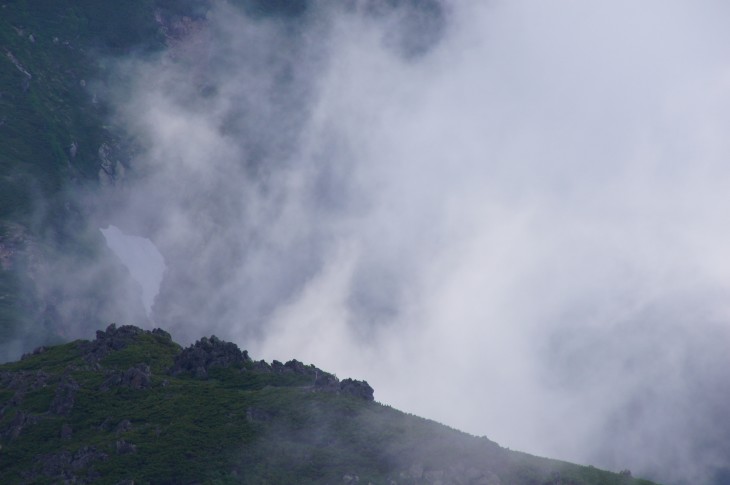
column 512, row 217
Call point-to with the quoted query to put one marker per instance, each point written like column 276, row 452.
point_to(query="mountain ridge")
column 133, row 406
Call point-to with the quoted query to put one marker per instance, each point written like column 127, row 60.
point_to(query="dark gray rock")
column 115, row 338
column 65, row 397
column 277, row 366
column 161, row 333
column 296, row 367
column 208, row 353
column 359, row 389
column 261, row 366
column 136, row 377
column 326, row 381
column 107, row 341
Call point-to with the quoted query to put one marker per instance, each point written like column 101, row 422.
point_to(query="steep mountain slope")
column 56, row 147
column 133, row 405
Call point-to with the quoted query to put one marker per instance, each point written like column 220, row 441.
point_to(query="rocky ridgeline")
column 112, row 339
column 206, row 354
column 195, row 361
column 209, row 353
column 199, row 358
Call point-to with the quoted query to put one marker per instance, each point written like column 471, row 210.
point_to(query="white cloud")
column 519, row 232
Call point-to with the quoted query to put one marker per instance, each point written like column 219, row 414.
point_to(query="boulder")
column 107, row 341
column 63, row 400
column 136, row 377
column 112, row 339
column 208, row 353
column 359, row 389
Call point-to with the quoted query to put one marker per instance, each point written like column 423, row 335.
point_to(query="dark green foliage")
column 238, row 424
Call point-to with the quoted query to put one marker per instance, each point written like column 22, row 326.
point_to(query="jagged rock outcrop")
column 136, row 377
column 206, row 354
column 108, row 340
column 329, row 383
column 65, row 397
column 114, row 338
column 359, row 389
column 212, row 352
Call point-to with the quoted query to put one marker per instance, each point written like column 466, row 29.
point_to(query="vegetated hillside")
column 132, row 406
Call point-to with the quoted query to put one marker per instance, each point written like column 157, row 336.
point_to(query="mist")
column 510, row 217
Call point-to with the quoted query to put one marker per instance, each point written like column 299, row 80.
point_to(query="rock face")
column 108, row 341
column 112, row 339
column 137, row 377
column 208, row 353
column 359, row 389
column 65, row 396
column 329, row 383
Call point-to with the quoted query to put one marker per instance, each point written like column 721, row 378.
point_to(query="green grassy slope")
column 132, row 405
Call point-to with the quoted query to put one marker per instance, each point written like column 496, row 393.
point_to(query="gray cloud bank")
column 511, row 217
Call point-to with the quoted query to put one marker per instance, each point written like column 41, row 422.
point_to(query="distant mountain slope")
column 132, row 406
column 55, row 147
column 59, row 150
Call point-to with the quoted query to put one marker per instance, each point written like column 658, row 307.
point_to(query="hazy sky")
column 512, row 217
